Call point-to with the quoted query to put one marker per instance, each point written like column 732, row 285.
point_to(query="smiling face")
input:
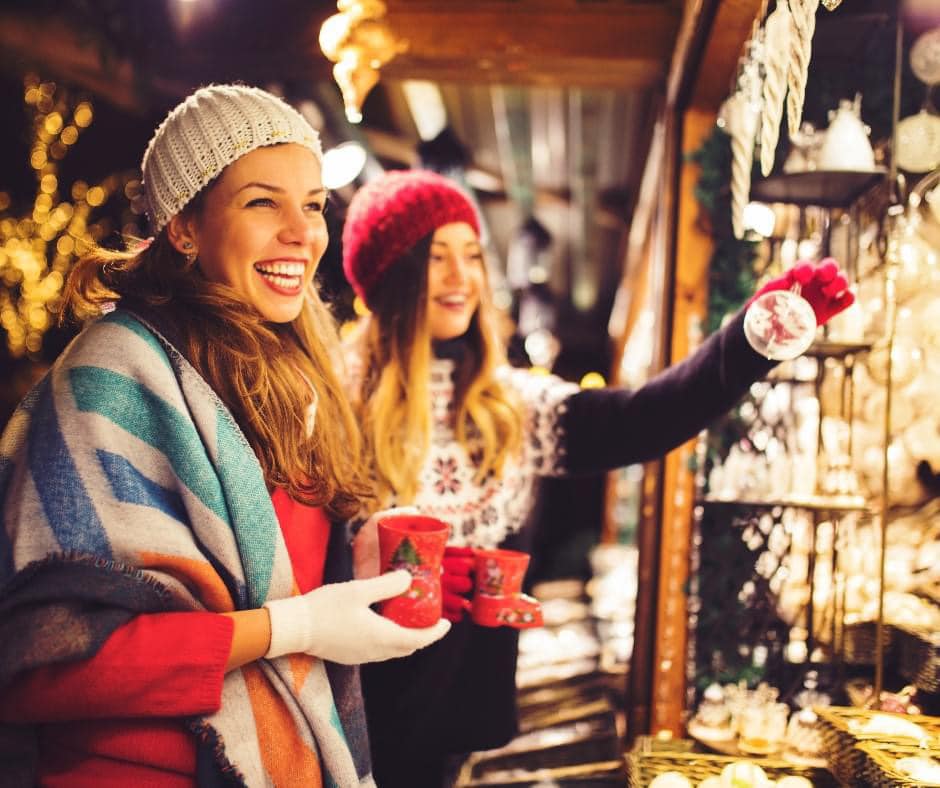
column 456, row 280
column 261, row 229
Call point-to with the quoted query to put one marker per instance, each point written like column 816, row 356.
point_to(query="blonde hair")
column 251, row 364
column 393, row 396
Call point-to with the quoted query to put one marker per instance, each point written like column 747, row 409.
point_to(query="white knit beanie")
column 212, row 128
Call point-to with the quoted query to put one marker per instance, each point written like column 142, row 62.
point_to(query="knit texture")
column 212, row 128
column 483, row 513
column 388, row 216
column 124, row 462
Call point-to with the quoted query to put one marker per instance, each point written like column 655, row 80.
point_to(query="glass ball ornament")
column 780, row 325
column 906, row 362
column 919, row 142
column 925, row 57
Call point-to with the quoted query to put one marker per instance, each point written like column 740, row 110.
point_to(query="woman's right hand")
column 335, row 622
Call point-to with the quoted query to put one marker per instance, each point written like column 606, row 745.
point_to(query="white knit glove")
column 334, row 622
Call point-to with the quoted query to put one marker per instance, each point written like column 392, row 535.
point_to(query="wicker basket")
column 879, row 769
column 919, row 656
column 840, row 735
column 859, row 640
column 650, row 758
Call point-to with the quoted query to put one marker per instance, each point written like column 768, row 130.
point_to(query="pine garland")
column 731, row 278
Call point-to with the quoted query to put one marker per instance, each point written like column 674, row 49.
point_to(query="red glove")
column 456, row 581
column 822, row 284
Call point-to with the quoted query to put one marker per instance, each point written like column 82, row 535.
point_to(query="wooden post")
column 710, row 41
column 693, row 252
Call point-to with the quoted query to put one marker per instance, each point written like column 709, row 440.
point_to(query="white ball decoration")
column 743, row 774
column 671, row 780
column 793, row 781
column 925, row 57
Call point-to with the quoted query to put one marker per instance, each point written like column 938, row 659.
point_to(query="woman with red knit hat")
column 456, row 432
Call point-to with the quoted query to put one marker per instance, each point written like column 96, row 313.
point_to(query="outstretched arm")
column 609, row 428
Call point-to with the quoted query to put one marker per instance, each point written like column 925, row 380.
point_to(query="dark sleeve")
column 609, row 428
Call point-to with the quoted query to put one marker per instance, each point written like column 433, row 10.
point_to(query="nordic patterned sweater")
column 567, row 431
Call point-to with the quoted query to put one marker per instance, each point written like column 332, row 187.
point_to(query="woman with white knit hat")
column 176, row 605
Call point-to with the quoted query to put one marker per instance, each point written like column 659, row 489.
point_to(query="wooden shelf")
column 826, row 349
column 819, row 503
column 823, row 188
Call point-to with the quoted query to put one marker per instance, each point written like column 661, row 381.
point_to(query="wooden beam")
column 560, row 42
column 693, row 250
column 721, row 33
column 734, row 23
column 709, row 43
column 250, row 51
column 50, row 47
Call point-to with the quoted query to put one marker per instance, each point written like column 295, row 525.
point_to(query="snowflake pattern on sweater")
column 483, row 513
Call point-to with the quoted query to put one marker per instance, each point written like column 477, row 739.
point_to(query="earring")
column 188, row 254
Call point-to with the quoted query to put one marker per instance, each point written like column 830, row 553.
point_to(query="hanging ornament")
column 918, row 142
column 803, row 13
column 831, row 5
column 741, row 119
column 359, row 42
column 925, row 57
column 776, row 57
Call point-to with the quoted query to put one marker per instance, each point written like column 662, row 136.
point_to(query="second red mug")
column 498, row 599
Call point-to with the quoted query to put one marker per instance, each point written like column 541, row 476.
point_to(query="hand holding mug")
column 414, row 543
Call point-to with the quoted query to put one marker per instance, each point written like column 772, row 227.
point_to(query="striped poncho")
column 128, row 488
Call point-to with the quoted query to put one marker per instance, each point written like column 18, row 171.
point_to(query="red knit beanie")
column 389, row 215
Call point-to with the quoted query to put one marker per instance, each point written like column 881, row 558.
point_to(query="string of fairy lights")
column 39, row 246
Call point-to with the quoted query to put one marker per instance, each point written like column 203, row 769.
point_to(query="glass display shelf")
column 822, row 503
column 822, row 188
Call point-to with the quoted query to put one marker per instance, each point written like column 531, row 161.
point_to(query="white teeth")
column 283, row 269
column 287, row 282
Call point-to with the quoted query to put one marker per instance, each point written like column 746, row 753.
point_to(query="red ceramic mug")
column 498, row 599
column 417, row 544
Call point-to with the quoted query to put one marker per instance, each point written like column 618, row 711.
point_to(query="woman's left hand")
column 365, row 545
column 822, row 284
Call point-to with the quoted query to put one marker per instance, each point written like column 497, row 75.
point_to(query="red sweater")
column 130, row 731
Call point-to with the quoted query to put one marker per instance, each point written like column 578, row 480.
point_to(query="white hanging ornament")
column 803, row 13
column 925, row 57
column 918, row 142
column 742, row 117
column 776, row 58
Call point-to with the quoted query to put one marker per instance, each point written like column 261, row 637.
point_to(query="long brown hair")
column 393, row 396
column 250, row 363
